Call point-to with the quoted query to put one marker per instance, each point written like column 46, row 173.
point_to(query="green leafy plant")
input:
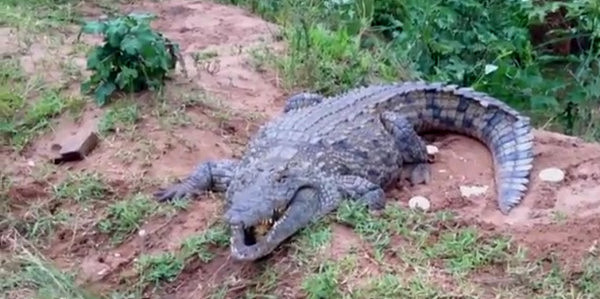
column 509, row 49
column 133, row 57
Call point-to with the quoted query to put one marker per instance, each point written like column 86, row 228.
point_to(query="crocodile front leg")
column 363, row 190
column 301, row 100
column 412, row 148
column 208, row 176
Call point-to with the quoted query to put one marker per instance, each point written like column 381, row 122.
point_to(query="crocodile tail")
column 505, row 131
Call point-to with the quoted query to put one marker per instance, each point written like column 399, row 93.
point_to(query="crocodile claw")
column 174, row 192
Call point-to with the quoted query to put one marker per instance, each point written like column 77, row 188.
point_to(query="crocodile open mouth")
column 255, row 233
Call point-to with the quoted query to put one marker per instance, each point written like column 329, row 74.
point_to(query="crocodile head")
column 268, row 210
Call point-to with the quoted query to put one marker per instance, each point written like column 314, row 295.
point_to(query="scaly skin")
column 301, row 165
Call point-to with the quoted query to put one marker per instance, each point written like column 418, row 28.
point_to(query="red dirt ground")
column 160, row 154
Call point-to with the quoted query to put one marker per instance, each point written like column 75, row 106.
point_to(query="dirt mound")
column 553, row 217
column 465, row 162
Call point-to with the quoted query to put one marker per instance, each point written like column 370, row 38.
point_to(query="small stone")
column 31, row 163
column 77, row 147
column 552, row 174
column 117, row 254
column 142, row 233
column 432, row 150
column 420, row 202
column 467, row 191
column 593, row 250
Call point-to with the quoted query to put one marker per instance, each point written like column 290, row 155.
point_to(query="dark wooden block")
column 77, row 147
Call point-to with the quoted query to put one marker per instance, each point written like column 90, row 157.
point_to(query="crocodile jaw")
column 302, row 209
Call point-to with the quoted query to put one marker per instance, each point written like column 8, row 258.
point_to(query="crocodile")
column 302, row 164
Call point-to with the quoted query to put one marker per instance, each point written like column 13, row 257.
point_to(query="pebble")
column 420, row 202
column 142, row 233
column 432, row 149
column 552, row 174
column 467, row 191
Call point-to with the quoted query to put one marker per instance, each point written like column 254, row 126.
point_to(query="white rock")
column 432, row 149
column 467, row 191
column 142, row 233
column 420, row 202
column 552, row 174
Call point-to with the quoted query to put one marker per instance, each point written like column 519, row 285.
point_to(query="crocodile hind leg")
column 415, row 164
column 301, row 100
column 208, row 176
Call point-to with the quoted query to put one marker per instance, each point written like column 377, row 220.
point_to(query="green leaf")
column 126, row 77
column 131, row 45
column 543, row 102
column 114, row 34
column 103, row 92
column 93, row 59
column 577, row 96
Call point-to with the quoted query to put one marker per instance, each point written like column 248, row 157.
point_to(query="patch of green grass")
column 28, row 273
column 549, row 278
column 121, row 117
column 81, row 187
column 171, row 116
column 324, row 283
column 264, row 284
column 311, row 241
column 204, row 55
column 395, row 286
column 35, row 16
column 589, row 281
column 5, row 184
column 422, row 242
column 173, row 108
column 126, row 216
column 21, row 118
column 160, row 267
column 464, row 250
column 334, row 45
column 199, row 246
column 38, row 222
column 373, row 229
column 559, row 216
column 413, row 226
column 166, row 267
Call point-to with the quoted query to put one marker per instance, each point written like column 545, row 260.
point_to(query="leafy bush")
column 133, row 57
column 485, row 44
